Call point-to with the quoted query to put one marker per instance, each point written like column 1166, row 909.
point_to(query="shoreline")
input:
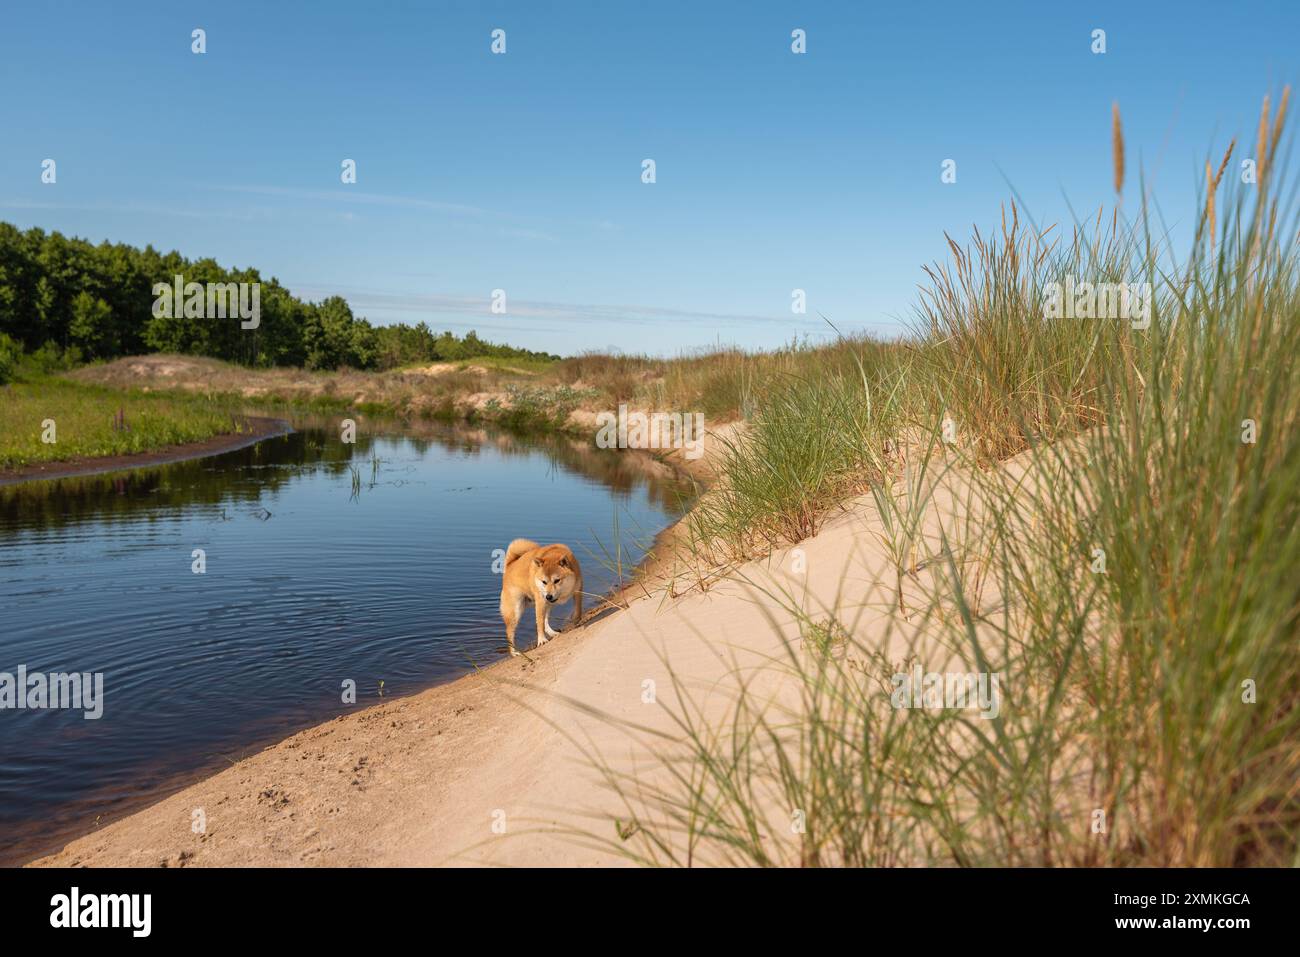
column 465, row 694
column 179, row 782
column 262, row 428
column 555, row 758
column 506, row 766
column 279, row 805
column 643, row 579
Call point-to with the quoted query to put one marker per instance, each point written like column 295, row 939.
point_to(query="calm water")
column 316, row 573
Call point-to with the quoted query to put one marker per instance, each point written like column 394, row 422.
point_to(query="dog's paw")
column 515, row 652
column 541, row 640
column 551, row 632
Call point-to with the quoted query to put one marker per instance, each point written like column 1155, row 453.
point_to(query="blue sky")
column 522, row 172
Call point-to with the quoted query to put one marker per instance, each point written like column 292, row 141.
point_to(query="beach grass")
column 1123, row 558
column 87, row 421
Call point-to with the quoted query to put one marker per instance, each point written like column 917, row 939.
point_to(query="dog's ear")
column 537, row 561
column 564, row 562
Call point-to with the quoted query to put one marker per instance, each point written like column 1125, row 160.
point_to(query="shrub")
column 10, row 353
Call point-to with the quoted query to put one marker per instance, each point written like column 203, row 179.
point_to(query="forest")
column 71, row 299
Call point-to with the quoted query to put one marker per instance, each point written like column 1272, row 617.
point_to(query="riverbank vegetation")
column 726, row 386
column 44, row 418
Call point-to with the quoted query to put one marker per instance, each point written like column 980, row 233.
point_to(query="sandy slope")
column 422, row 780
column 417, row 781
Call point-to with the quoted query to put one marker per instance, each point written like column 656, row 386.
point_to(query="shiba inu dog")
column 544, row 575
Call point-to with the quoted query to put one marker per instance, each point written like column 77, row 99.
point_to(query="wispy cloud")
column 504, row 224
column 139, row 209
column 373, row 303
column 349, row 195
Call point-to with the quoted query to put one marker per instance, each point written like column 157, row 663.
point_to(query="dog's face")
column 553, row 577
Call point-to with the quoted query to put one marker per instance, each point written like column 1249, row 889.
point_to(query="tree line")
column 97, row 302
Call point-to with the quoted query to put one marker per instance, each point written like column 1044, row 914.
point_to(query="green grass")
column 534, row 408
column 815, row 439
column 83, row 417
column 528, row 364
column 1151, row 708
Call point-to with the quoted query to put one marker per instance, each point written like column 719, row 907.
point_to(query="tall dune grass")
column 1131, row 571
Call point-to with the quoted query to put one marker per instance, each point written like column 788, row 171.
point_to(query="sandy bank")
column 462, row 718
column 423, row 779
column 512, row 765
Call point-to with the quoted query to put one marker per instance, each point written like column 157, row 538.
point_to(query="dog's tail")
column 517, row 548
